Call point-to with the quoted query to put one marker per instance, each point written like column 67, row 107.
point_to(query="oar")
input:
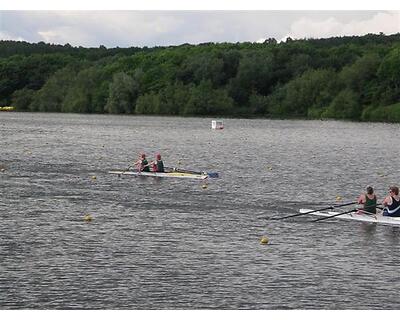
column 127, row 169
column 335, row 215
column 330, row 207
column 339, row 214
column 123, row 171
column 370, row 213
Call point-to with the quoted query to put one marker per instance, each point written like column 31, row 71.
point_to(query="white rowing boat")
column 180, row 175
column 356, row 216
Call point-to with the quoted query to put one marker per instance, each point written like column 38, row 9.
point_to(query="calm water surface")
column 172, row 244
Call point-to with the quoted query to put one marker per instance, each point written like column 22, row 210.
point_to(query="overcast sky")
column 163, row 28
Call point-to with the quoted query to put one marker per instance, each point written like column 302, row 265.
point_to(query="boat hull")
column 179, row 175
column 357, row 216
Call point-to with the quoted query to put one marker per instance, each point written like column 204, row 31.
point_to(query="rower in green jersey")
column 158, row 164
column 368, row 200
column 142, row 164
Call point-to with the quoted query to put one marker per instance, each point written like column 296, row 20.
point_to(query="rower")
column 392, row 203
column 142, row 164
column 158, row 164
column 368, row 200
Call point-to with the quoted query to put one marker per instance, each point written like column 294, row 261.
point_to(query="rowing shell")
column 180, row 175
column 357, row 216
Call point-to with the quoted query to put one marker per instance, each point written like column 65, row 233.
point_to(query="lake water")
column 174, row 244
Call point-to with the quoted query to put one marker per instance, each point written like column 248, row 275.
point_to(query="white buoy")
column 217, row 124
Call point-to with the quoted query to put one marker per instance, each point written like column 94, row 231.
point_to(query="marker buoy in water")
column 204, row 186
column 94, row 177
column 264, row 240
column 338, row 198
column 87, row 218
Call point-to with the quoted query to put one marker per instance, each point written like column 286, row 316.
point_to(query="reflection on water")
column 172, row 244
column 368, row 230
column 393, row 235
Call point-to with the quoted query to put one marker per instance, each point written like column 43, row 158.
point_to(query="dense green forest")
column 355, row 78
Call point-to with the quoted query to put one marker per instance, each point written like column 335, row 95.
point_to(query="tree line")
column 355, row 78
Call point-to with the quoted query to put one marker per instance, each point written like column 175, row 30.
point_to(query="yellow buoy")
column 87, row 218
column 338, row 198
column 94, row 178
column 204, row 186
column 264, row 240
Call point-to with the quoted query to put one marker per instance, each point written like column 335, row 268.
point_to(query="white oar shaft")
column 330, row 207
column 342, row 213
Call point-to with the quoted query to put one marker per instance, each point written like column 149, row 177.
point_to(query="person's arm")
column 361, row 199
column 387, row 201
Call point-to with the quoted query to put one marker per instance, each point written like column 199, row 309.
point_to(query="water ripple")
column 158, row 244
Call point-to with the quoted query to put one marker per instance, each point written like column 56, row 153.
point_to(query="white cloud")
column 112, row 28
column 63, row 35
column 163, row 28
column 386, row 22
column 48, row 36
column 7, row 36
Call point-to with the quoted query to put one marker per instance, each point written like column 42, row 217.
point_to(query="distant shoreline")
column 344, row 78
column 221, row 117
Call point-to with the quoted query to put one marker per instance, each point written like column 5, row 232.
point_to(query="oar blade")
column 213, row 174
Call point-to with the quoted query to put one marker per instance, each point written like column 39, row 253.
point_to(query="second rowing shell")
column 179, row 175
column 357, row 216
